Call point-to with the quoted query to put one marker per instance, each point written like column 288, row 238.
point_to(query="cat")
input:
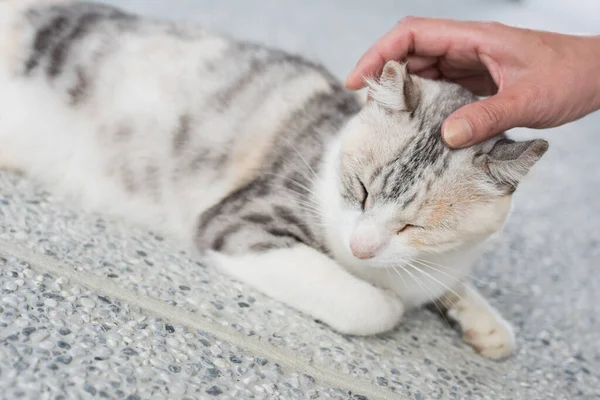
column 351, row 211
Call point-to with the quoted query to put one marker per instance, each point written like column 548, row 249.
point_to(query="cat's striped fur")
column 260, row 158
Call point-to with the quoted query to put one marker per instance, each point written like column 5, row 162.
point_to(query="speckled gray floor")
column 90, row 307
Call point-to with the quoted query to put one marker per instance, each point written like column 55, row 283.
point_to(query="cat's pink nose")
column 363, row 249
column 362, row 252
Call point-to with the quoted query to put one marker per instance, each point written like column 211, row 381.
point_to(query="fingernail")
column 457, row 132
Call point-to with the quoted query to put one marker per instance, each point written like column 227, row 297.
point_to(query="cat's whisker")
column 426, row 263
column 300, row 197
column 309, row 178
column 426, row 289
column 311, row 207
column 399, row 274
column 446, row 287
column 306, row 203
column 304, row 160
column 444, row 273
column 290, row 144
column 296, row 197
column 437, row 270
column 418, row 281
column 315, row 211
column 431, row 296
column 303, row 199
column 322, row 220
column 431, row 264
column 300, row 185
column 319, row 219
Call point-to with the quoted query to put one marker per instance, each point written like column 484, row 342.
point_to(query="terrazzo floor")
column 93, row 308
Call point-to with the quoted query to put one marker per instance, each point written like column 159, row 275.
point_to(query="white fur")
column 313, row 283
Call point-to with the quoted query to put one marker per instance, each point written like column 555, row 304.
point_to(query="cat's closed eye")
column 407, row 227
column 364, row 196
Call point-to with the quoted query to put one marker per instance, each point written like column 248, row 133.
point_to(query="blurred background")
column 337, row 32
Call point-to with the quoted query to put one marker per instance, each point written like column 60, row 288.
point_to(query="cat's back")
column 162, row 119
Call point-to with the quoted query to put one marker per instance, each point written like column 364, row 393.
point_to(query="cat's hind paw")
column 488, row 333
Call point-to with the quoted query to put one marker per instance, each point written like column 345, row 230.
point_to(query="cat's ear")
column 508, row 161
column 396, row 90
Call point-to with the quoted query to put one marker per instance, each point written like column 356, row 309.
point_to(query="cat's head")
column 402, row 191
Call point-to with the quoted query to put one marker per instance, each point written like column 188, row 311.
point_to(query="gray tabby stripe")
column 78, row 92
column 182, row 135
column 263, row 246
column 221, row 239
column 287, row 215
column 43, row 41
column 62, row 49
column 261, row 219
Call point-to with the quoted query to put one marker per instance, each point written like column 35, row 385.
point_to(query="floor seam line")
column 287, row 359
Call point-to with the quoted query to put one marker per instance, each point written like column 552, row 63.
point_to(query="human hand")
column 536, row 79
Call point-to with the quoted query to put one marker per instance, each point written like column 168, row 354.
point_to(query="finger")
column 420, row 36
column 463, row 72
column 480, row 85
column 483, row 119
column 370, row 63
column 430, row 73
column 416, row 64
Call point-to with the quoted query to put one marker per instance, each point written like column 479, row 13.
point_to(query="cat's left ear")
column 396, row 90
column 508, row 161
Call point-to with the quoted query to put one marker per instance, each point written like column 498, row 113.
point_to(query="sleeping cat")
column 349, row 212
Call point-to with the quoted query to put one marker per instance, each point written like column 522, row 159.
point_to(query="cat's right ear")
column 508, row 161
column 395, row 90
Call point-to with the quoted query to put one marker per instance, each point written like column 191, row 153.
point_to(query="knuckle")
column 407, row 20
column 492, row 26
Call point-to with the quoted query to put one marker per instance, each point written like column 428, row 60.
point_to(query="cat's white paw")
column 373, row 311
column 488, row 333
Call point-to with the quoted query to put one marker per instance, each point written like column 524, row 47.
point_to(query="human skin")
column 534, row 79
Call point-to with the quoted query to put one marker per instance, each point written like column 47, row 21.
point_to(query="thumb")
column 483, row 119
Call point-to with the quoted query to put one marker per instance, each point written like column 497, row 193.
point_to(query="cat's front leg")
column 311, row 282
column 483, row 327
